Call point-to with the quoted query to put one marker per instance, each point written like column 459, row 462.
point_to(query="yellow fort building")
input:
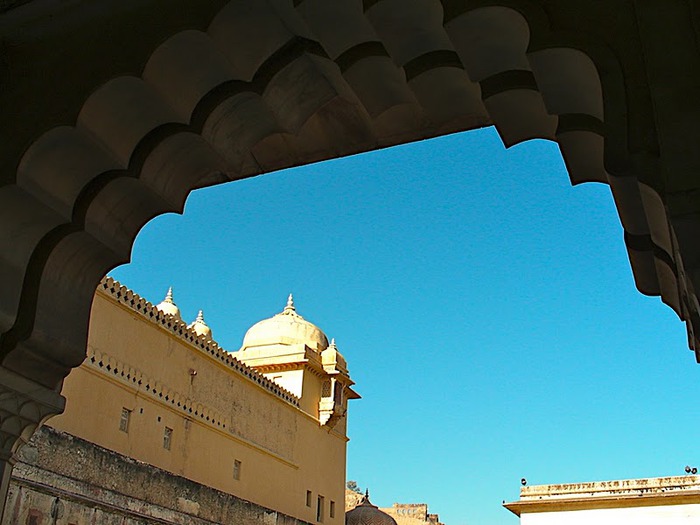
column 164, row 426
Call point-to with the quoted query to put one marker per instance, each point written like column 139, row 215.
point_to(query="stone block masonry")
column 60, row 478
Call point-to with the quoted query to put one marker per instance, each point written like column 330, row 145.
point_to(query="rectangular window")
column 331, row 510
column 167, row 438
column 319, row 508
column 308, row 498
column 236, row 469
column 124, row 421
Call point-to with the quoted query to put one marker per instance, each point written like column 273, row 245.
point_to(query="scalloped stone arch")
column 260, row 86
column 221, row 105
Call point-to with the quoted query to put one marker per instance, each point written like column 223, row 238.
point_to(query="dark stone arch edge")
column 26, row 317
column 285, row 55
column 26, row 312
column 280, row 59
column 613, row 130
column 644, row 243
column 24, row 323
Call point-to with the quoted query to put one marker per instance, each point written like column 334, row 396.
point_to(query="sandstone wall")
column 63, row 479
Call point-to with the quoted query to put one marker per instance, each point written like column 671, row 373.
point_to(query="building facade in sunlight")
column 649, row 501
column 164, row 426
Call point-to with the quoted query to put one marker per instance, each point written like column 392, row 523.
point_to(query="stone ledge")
column 92, row 478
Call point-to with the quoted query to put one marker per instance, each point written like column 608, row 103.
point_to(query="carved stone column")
column 24, row 406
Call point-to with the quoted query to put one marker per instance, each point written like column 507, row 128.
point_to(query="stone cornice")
column 613, row 487
column 646, row 492
column 309, row 361
column 607, row 502
column 279, row 367
column 146, row 310
column 314, row 369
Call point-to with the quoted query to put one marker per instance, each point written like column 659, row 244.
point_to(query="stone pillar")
column 24, row 406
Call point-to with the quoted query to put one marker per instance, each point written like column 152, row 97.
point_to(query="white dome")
column 168, row 307
column 286, row 328
column 200, row 327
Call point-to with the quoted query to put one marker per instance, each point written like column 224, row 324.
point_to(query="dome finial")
column 168, row 306
column 366, row 512
column 199, row 326
column 290, row 303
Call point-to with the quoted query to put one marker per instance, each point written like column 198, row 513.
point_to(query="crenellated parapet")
column 180, row 329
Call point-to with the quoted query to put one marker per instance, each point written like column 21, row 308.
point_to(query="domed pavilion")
column 296, row 354
column 367, row 514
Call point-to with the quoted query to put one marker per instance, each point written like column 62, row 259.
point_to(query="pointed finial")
column 199, row 326
column 290, row 303
column 332, row 341
column 168, row 306
column 365, row 502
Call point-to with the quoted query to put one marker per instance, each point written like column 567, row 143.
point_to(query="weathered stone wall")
column 411, row 514
column 352, row 499
column 78, row 483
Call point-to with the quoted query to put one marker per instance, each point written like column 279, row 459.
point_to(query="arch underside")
column 146, row 101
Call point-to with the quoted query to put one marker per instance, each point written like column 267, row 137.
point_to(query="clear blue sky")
column 486, row 308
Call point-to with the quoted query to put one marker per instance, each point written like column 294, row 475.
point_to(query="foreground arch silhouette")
column 115, row 111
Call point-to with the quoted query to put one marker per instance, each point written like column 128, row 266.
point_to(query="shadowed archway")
column 117, row 111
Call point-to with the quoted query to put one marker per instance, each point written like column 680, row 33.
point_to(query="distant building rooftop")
column 645, row 492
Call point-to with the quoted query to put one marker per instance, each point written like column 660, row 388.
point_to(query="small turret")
column 168, row 306
column 200, row 327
